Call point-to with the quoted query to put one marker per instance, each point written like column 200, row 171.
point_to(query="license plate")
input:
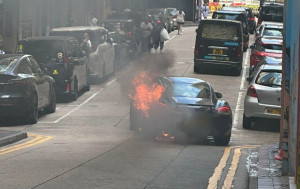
column 273, row 110
column 218, row 51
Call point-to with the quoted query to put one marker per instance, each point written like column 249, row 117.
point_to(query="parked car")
column 238, row 16
column 101, row 57
column 219, row 45
column 263, row 95
column 250, row 16
column 63, row 59
column 266, row 60
column 265, row 47
column 173, row 13
column 271, row 11
column 163, row 15
column 25, row 88
column 270, row 29
column 196, row 110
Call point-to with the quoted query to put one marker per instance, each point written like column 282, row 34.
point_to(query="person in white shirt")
column 180, row 20
column 205, row 10
column 146, row 27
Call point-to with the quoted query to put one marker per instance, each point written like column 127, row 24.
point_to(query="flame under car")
column 187, row 106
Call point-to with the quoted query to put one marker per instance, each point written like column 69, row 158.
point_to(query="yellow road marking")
column 232, row 170
column 37, row 139
column 213, row 180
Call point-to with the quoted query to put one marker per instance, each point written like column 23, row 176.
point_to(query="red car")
column 265, row 47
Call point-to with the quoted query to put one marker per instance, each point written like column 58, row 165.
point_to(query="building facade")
column 20, row 19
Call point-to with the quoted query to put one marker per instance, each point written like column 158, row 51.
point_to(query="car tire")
column 52, row 106
column 198, row 70
column 222, row 140
column 34, row 111
column 133, row 119
column 247, row 122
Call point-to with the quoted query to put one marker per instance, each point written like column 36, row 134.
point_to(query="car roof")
column 234, row 9
column 79, row 28
column 273, row 4
column 272, row 40
column 270, row 67
column 220, row 20
column 272, row 24
column 49, row 38
column 186, row 80
column 229, row 12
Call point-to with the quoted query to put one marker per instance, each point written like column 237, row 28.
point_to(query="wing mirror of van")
column 218, row 95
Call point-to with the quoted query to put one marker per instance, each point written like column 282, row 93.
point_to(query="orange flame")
column 145, row 92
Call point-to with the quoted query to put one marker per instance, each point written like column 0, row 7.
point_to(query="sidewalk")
column 264, row 171
column 8, row 137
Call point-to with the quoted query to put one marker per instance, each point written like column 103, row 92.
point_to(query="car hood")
column 192, row 101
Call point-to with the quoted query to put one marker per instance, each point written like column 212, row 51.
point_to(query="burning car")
column 180, row 106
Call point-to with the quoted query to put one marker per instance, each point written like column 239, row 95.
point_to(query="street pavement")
column 88, row 144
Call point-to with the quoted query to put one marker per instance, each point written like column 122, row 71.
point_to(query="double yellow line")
column 36, row 139
column 213, row 180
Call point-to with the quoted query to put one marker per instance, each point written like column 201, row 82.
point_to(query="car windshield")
column 269, row 78
column 273, row 32
column 274, row 14
column 236, row 17
column 43, row 51
column 198, row 90
column 8, row 62
column 220, row 31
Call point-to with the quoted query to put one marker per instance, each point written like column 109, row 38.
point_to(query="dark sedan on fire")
column 24, row 88
column 187, row 107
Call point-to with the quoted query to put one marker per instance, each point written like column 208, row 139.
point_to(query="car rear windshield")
column 220, row 31
column 198, row 90
column 236, row 17
column 272, row 48
column 269, row 78
column 274, row 14
column 43, row 51
column 273, row 32
column 8, row 62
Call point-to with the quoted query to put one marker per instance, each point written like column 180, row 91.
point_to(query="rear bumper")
column 14, row 106
column 216, row 64
column 254, row 109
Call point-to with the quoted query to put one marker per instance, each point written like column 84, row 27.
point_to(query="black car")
column 189, row 107
column 237, row 16
column 271, row 11
column 63, row 59
column 219, row 45
column 25, row 88
column 162, row 14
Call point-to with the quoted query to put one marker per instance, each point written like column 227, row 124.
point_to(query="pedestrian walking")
column 156, row 35
column 205, row 11
column 86, row 43
column 180, row 21
column 146, row 27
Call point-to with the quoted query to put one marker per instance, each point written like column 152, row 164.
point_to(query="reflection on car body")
column 194, row 107
column 62, row 57
column 101, row 59
column 24, row 88
column 263, row 98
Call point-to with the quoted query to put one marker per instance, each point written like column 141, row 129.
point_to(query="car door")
column 25, row 69
column 44, row 86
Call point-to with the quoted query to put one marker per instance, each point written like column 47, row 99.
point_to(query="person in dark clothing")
column 156, row 35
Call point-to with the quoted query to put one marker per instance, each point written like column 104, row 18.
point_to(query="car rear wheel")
column 52, row 106
column 34, row 112
column 222, row 140
column 247, row 122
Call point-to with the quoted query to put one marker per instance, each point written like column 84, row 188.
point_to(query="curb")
column 12, row 138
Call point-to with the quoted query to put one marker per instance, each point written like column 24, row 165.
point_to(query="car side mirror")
column 218, row 95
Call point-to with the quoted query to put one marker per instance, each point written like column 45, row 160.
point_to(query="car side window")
column 34, row 65
column 24, row 67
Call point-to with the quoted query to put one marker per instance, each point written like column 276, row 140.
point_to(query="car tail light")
column 68, row 88
column 174, row 16
column 259, row 53
column 251, row 18
column 128, row 34
column 259, row 22
column 251, row 91
column 224, row 110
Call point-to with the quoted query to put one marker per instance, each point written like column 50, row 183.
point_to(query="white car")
column 263, row 98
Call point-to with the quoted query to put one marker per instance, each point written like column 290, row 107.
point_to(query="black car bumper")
column 216, row 64
column 14, row 106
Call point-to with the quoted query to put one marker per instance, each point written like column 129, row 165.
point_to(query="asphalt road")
column 88, row 144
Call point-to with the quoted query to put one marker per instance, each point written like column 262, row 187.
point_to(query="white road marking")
column 73, row 110
column 111, row 82
column 170, row 39
column 239, row 100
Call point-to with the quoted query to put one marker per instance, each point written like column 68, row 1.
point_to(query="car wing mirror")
column 249, row 79
column 218, row 95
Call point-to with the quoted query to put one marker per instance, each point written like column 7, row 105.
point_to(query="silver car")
column 263, row 95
